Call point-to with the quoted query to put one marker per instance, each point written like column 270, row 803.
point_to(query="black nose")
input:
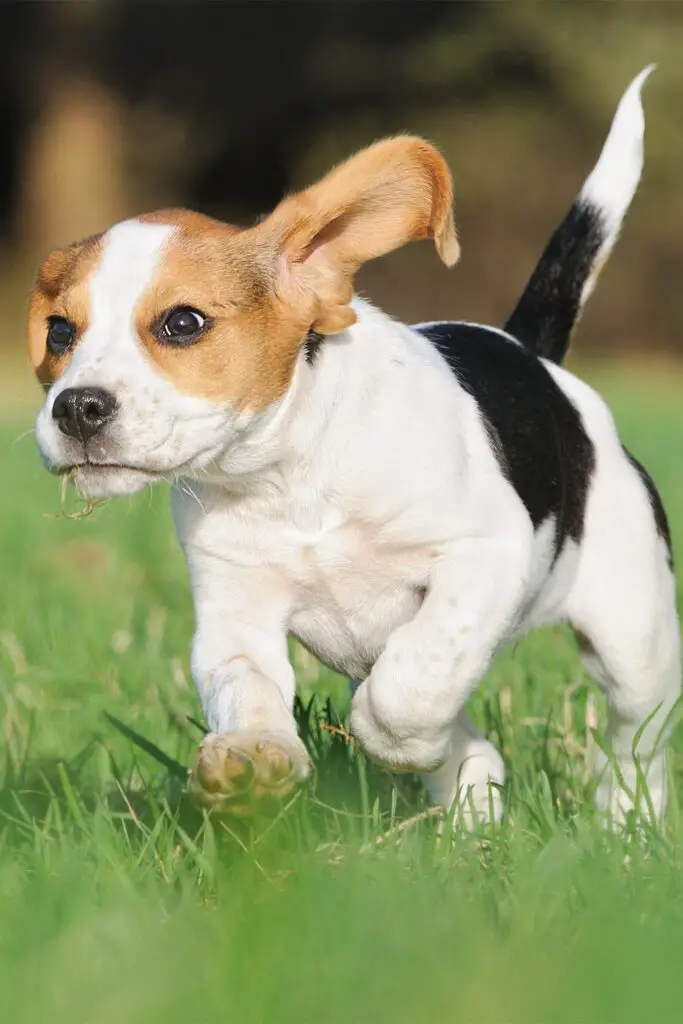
column 82, row 412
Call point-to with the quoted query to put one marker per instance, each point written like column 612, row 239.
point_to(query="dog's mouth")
column 99, row 480
column 103, row 469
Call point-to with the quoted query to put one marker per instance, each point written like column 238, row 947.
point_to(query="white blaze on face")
column 156, row 430
column 131, row 253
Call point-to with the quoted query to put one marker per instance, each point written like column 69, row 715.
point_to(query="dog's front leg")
column 405, row 714
column 246, row 685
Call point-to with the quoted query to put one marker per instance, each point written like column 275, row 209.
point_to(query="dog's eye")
column 181, row 326
column 60, row 335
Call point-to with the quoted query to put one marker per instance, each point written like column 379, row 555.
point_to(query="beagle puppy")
column 404, row 500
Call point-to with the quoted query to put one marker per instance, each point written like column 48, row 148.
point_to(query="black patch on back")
column 312, row 346
column 535, row 431
column 661, row 521
column 545, row 315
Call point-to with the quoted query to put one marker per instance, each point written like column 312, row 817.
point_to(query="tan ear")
column 55, row 268
column 45, row 289
column 396, row 191
column 56, row 273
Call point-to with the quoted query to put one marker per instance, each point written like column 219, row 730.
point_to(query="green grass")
column 120, row 903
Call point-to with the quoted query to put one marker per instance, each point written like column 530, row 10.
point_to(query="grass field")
column 120, row 903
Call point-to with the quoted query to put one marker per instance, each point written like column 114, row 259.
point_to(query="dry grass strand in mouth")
column 88, row 507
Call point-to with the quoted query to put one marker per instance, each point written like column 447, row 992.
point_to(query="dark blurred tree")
column 217, row 102
column 110, row 107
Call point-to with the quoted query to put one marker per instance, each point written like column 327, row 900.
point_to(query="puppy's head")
column 162, row 340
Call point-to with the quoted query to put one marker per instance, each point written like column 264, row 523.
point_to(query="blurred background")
column 110, row 108
column 113, row 892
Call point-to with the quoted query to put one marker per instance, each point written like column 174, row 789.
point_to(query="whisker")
column 31, row 430
column 186, row 489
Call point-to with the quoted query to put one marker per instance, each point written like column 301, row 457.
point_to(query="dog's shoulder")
column 534, row 428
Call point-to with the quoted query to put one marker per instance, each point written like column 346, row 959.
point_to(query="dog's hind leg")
column 622, row 607
column 472, row 777
column 407, row 714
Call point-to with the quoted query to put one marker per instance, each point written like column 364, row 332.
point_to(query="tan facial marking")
column 61, row 289
column 263, row 288
column 247, row 355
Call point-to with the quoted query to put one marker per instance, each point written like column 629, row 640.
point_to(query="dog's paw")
column 386, row 734
column 471, row 780
column 236, row 771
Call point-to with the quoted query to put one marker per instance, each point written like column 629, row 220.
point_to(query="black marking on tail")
column 550, row 305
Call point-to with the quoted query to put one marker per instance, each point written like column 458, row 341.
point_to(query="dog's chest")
column 349, row 581
column 351, row 588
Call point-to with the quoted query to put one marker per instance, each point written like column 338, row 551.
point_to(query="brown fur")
column 61, row 289
column 247, row 355
column 265, row 287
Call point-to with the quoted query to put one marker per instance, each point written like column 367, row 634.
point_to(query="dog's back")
column 537, row 430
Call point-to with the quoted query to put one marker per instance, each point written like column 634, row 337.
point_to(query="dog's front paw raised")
column 387, row 735
column 235, row 771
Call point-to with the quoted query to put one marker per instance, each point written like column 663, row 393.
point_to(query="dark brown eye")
column 181, row 326
column 60, row 335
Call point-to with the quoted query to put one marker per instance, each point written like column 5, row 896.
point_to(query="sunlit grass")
column 120, row 902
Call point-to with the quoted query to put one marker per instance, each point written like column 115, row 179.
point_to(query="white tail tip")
column 614, row 179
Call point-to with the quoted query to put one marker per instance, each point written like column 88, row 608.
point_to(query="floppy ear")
column 45, row 289
column 53, row 276
column 55, row 268
column 396, row 191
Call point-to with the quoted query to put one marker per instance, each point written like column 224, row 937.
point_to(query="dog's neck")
column 289, row 440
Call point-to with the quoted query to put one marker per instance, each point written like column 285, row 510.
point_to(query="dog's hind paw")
column 233, row 772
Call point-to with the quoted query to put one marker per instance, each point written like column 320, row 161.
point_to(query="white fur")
column 613, row 181
column 157, row 430
column 367, row 515
column 383, row 487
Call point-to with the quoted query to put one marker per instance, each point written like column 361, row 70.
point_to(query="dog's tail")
column 576, row 253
